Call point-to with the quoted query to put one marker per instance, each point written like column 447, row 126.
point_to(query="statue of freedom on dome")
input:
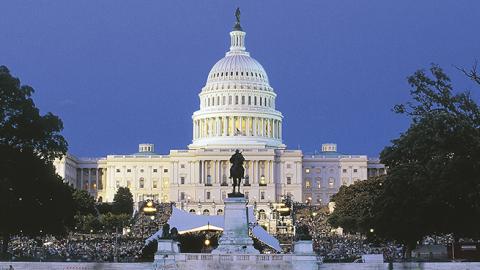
column 237, row 15
column 237, row 26
column 236, row 172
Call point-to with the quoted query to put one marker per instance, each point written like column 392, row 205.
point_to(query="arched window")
column 243, row 100
column 255, row 100
column 192, row 211
column 219, row 212
column 331, row 182
column 206, row 212
column 229, row 100
column 249, row 100
column 261, row 214
column 236, row 100
column 223, row 100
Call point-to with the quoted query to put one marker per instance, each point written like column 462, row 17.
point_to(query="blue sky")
column 121, row 73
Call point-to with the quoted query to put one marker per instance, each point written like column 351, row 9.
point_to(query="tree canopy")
column 33, row 197
column 354, row 205
column 433, row 184
column 123, row 201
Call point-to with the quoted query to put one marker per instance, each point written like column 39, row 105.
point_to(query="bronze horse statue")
column 237, row 171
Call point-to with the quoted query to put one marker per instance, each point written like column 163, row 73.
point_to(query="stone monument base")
column 235, row 237
column 165, row 255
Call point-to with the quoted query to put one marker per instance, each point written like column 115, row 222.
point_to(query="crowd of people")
column 123, row 245
column 333, row 245
column 105, row 247
column 128, row 244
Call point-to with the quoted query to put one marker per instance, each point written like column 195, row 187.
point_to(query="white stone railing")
column 233, row 257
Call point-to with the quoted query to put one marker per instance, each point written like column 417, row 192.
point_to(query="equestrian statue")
column 237, row 172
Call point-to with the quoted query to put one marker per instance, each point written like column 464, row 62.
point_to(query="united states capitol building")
column 237, row 111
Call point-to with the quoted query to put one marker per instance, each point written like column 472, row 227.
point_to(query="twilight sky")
column 120, row 73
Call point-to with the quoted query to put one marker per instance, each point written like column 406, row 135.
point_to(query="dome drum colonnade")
column 237, row 104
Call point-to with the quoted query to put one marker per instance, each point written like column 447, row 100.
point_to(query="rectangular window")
column 243, row 100
column 355, row 170
column 249, row 100
column 229, row 100
column 208, row 195
column 118, row 170
column 262, row 195
column 308, row 184
column 236, row 100
column 129, row 170
column 344, row 170
column 318, row 170
column 289, row 166
column 289, row 180
column 154, row 184
column 182, row 166
column 182, row 196
column 254, row 100
column 246, row 194
column 165, row 170
column 182, row 180
column 154, row 170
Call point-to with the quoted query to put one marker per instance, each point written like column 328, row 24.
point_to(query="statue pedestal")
column 235, row 238
column 165, row 255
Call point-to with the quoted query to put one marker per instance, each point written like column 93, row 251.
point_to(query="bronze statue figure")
column 237, row 26
column 237, row 14
column 237, row 171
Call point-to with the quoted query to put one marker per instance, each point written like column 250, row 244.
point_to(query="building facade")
column 237, row 111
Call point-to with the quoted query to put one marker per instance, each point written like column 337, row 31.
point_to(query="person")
column 11, row 267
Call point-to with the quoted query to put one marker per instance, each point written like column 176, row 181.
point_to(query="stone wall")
column 199, row 266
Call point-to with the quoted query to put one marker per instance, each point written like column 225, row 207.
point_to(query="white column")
column 224, row 127
column 271, row 173
column 96, row 179
column 240, row 123
column 255, row 172
column 262, row 125
column 273, row 128
column 280, row 130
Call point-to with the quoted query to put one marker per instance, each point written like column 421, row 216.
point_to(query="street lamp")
column 207, row 242
column 371, row 230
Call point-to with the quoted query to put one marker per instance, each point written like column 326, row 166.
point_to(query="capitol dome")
column 234, row 67
column 237, row 103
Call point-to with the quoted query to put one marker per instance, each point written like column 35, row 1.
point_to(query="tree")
column 84, row 202
column 354, row 205
column 33, row 198
column 433, row 186
column 123, row 201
